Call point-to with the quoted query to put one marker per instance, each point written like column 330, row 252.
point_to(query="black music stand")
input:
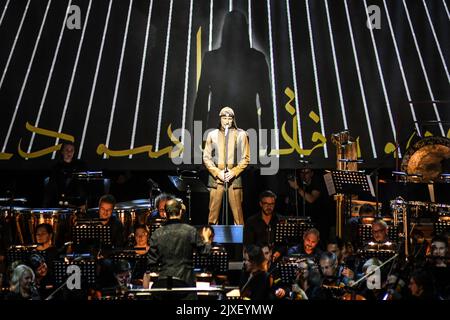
column 216, row 261
column 188, row 185
column 23, row 253
column 347, row 183
column 91, row 233
column 86, row 265
column 441, row 227
column 288, row 272
column 138, row 262
column 365, row 233
column 290, row 231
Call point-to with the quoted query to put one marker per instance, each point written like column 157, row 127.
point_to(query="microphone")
column 226, row 130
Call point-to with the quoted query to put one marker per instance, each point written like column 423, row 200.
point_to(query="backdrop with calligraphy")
column 121, row 77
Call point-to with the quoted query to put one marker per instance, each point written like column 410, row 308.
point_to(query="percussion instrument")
column 425, row 159
column 27, row 220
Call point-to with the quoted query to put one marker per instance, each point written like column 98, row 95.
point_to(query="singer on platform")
column 226, row 155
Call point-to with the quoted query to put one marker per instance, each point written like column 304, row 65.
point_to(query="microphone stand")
column 225, row 205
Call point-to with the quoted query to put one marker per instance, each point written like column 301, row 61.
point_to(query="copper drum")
column 130, row 217
column 27, row 220
column 8, row 221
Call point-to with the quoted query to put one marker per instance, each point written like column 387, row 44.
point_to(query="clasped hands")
column 226, row 176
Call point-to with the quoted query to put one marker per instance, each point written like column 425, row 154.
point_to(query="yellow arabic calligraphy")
column 47, row 133
column 171, row 150
column 292, row 140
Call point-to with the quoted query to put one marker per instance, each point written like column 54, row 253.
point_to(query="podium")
column 188, row 184
column 343, row 184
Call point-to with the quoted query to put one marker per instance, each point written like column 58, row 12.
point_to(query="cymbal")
column 426, row 158
column 6, row 199
column 133, row 204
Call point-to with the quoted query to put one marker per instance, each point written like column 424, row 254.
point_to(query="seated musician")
column 366, row 213
column 44, row 235
column 105, row 211
column 308, row 247
column 279, row 290
column 43, row 280
column 141, row 237
column 21, row 284
column 380, row 238
column 307, row 283
column 333, row 273
column 160, row 203
column 256, row 283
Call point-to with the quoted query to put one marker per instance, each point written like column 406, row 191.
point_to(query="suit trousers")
column 235, row 196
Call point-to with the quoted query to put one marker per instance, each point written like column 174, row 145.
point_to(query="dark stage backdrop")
column 119, row 77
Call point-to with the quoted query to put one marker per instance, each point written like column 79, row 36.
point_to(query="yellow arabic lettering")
column 292, row 140
column 47, row 133
column 5, row 156
column 50, row 133
column 172, row 151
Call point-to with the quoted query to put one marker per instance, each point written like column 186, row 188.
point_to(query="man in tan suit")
column 226, row 172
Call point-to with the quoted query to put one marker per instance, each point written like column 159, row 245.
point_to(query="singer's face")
column 439, row 249
column 105, row 210
column 26, row 280
column 226, row 121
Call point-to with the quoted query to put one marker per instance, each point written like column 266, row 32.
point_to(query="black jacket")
column 171, row 249
column 257, row 232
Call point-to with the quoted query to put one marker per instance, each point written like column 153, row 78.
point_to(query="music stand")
column 290, row 231
column 347, row 183
column 23, row 253
column 365, row 233
column 188, row 185
column 216, row 262
column 441, row 226
column 138, row 262
column 88, row 233
column 288, row 272
column 87, row 267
